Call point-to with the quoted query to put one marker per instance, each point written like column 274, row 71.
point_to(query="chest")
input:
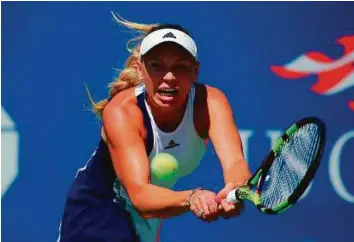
column 186, row 146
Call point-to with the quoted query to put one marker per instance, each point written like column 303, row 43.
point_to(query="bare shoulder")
column 121, row 113
column 215, row 95
column 218, row 104
column 209, row 102
column 208, row 97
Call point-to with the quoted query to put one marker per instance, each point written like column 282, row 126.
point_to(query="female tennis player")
column 155, row 105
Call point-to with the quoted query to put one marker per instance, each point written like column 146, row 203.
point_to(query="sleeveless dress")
column 98, row 207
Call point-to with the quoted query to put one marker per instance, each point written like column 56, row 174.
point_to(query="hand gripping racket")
column 287, row 170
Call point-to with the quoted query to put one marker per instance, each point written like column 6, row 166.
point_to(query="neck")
column 168, row 120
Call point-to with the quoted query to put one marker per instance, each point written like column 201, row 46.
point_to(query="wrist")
column 234, row 184
column 194, row 191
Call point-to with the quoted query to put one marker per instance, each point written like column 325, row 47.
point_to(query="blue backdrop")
column 49, row 49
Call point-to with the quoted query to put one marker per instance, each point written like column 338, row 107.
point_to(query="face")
column 168, row 72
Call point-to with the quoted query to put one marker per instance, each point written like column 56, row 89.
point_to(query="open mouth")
column 168, row 92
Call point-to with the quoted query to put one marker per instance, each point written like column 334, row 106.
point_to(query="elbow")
column 141, row 210
column 137, row 204
column 140, row 207
column 147, row 215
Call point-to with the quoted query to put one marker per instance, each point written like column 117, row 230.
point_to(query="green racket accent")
column 256, row 198
column 290, row 131
column 278, row 145
column 282, row 207
column 244, row 193
column 288, row 169
column 280, row 142
column 256, row 178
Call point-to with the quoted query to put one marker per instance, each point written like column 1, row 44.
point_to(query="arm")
column 226, row 139
column 228, row 146
column 122, row 126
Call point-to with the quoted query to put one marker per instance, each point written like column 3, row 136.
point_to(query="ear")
column 139, row 68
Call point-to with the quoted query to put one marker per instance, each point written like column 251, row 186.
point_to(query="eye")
column 182, row 67
column 156, row 66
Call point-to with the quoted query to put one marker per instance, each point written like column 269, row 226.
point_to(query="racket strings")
column 290, row 166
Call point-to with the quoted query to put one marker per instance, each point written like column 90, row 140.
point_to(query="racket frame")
column 252, row 189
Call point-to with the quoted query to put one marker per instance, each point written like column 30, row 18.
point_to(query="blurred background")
column 276, row 62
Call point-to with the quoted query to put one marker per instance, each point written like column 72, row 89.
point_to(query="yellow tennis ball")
column 164, row 166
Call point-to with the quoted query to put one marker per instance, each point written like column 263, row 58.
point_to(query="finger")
column 213, row 206
column 198, row 213
column 231, row 210
column 220, row 207
column 221, row 195
column 213, row 215
column 199, row 208
column 224, row 192
column 204, row 206
column 194, row 209
column 217, row 199
column 227, row 206
column 210, row 218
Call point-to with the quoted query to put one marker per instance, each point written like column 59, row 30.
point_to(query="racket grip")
column 232, row 197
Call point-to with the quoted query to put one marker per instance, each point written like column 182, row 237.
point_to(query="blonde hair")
column 128, row 77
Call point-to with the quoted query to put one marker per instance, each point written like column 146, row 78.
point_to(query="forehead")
column 168, row 50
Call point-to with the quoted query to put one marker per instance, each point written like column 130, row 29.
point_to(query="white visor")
column 168, row 35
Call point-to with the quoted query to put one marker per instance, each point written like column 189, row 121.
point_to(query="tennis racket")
column 287, row 170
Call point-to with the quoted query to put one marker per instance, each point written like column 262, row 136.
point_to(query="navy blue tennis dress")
column 99, row 209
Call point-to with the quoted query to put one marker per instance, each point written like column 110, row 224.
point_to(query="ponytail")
column 128, row 77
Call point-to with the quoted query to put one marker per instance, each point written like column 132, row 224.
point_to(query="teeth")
column 168, row 92
column 169, row 89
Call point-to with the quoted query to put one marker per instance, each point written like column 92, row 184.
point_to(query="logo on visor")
column 169, row 35
column 333, row 75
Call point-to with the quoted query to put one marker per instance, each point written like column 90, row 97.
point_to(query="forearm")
column 157, row 202
column 237, row 172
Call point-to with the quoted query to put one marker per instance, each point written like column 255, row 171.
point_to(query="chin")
column 167, row 104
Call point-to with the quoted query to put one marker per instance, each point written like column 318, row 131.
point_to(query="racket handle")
column 232, row 197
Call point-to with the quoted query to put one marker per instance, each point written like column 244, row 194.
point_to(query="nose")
column 169, row 76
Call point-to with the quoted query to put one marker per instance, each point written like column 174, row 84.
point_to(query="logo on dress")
column 171, row 144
